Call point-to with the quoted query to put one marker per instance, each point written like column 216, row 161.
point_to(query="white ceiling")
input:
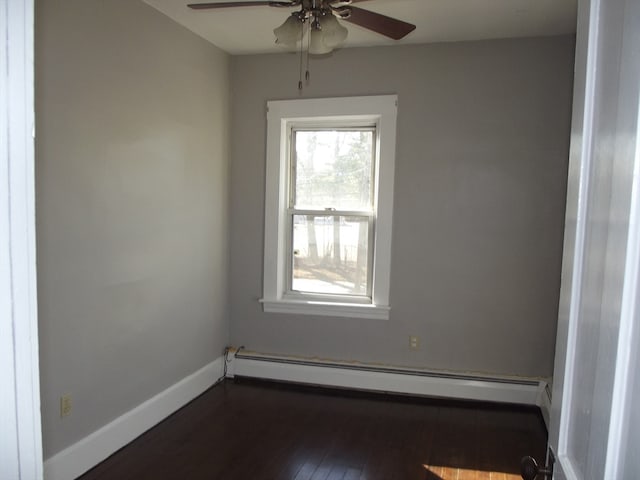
column 246, row 30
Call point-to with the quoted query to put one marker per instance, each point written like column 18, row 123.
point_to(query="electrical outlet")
column 65, row 405
column 414, row 342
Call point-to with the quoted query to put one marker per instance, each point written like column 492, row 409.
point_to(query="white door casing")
column 596, row 340
column 20, row 430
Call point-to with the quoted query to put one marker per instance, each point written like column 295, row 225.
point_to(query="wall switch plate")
column 65, row 405
column 414, row 342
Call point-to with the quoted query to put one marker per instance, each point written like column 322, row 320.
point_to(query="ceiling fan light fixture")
column 289, row 32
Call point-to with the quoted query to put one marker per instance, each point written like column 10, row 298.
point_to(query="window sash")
column 290, row 293
column 330, row 126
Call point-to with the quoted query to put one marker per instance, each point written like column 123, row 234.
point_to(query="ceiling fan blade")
column 387, row 26
column 204, row 6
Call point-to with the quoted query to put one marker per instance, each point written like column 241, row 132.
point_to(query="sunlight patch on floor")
column 453, row 473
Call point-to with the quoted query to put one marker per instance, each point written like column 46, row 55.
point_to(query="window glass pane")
column 330, row 254
column 333, row 169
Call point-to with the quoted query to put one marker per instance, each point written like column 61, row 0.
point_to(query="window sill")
column 327, row 309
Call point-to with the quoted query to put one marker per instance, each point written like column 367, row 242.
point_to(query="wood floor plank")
column 352, row 474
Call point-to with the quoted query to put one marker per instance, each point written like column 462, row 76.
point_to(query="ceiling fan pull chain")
column 301, row 48
column 307, row 75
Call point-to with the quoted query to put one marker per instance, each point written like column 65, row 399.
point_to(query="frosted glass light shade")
column 333, row 33
column 289, row 32
column 317, row 45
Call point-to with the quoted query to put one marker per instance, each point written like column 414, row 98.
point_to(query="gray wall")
column 131, row 173
column 483, row 135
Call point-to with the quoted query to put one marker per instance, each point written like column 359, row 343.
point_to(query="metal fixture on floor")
column 530, row 470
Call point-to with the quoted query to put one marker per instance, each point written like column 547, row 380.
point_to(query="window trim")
column 281, row 115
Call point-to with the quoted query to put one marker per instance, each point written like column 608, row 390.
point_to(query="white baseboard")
column 515, row 390
column 544, row 402
column 91, row 450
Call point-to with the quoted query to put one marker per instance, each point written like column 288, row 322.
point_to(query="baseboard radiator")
column 378, row 378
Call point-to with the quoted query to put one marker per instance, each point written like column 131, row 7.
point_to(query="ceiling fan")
column 314, row 11
column 318, row 18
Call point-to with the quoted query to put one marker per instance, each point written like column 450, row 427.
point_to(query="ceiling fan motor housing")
column 313, row 10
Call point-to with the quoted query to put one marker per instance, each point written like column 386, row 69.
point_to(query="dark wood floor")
column 258, row 430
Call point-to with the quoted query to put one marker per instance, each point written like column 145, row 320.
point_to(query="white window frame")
column 282, row 115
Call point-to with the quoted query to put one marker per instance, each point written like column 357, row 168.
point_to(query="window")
column 328, row 206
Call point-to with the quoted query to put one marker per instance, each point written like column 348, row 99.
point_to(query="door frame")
column 598, row 78
column 21, row 432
